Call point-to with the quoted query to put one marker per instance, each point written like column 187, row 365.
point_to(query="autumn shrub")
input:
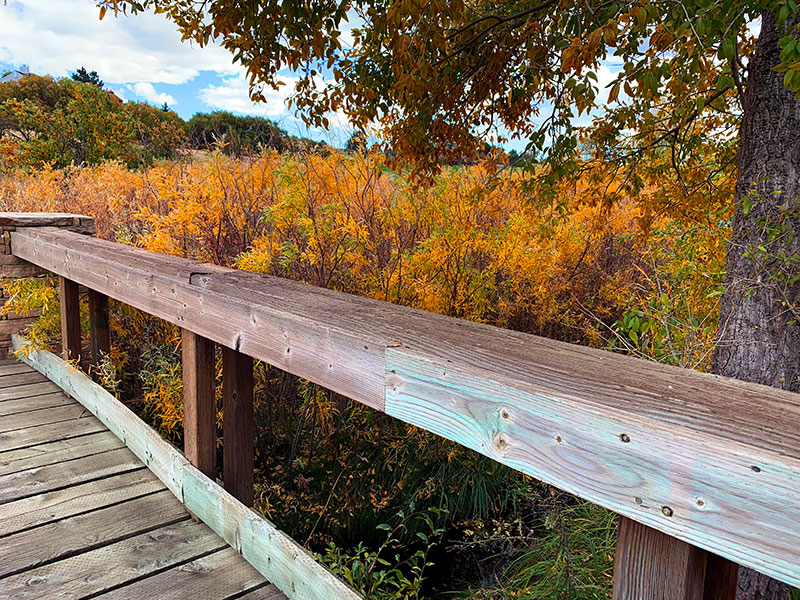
column 472, row 245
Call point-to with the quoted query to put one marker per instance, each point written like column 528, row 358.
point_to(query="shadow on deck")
column 81, row 516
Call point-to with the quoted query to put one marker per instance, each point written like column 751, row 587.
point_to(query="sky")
column 139, row 58
column 142, row 58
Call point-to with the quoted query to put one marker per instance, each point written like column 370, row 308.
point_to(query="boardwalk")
column 81, row 516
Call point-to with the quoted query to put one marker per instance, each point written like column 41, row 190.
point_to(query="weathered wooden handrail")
column 710, row 461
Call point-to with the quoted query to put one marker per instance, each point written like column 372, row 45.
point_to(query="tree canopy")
column 84, row 76
column 62, row 122
column 441, row 77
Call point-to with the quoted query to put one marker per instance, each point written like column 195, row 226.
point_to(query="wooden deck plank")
column 213, row 577
column 80, row 515
column 114, row 565
column 29, row 549
column 69, row 413
column 50, row 453
column 28, row 377
column 32, row 436
column 12, row 367
column 12, row 407
column 28, row 390
column 41, row 509
column 280, row 559
column 268, row 592
column 60, row 475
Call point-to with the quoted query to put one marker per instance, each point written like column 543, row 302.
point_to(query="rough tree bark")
column 759, row 337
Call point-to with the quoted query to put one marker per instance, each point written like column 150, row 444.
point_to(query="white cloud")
column 148, row 92
column 233, row 95
column 58, row 36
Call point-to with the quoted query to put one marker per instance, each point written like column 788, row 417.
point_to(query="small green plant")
column 390, row 572
column 35, row 296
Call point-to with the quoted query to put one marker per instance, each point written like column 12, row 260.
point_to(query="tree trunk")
column 759, row 338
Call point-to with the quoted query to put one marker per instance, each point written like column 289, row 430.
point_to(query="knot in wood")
column 500, row 442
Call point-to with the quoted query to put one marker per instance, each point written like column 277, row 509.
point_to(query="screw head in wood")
column 666, row 511
column 624, row 438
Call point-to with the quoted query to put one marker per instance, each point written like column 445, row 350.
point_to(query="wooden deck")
column 81, row 516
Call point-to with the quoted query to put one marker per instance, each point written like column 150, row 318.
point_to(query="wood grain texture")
column 722, row 577
column 70, row 319
column 199, row 402
column 238, row 425
column 42, row 479
column 153, row 450
column 9, row 382
column 70, row 412
column 37, row 219
column 331, row 353
column 695, row 421
column 338, row 340
column 274, row 554
column 12, row 368
column 33, row 436
column 213, row 577
column 652, row 565
column 47, row 507
column 736, row 499
column 267, row 592
column 49, row 453
column 22, row 405
column 31, row 548
column 113, row 565
column 28, row 390
column 100, row 330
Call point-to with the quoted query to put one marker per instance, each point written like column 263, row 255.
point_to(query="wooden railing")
column 705, row 471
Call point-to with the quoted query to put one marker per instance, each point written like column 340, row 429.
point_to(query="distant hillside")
column 59, row 122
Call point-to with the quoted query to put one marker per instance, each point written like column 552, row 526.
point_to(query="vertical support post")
column 99, row 326
column 237, row 424
column 722, row 578
column 70, row 319
column 655, row 566
column 199, row 403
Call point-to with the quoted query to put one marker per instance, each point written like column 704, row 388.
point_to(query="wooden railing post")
column 199, row 403
column 99, row 326
column 70, row 319
column 651, row 565
column 13, row 267
column 237, row 424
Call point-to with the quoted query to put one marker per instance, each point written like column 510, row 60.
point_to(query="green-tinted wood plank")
column 277, row 556
column 50, row 453
column 41, row 509
column 704, row 492
column 34, row 547
column 113, row 565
